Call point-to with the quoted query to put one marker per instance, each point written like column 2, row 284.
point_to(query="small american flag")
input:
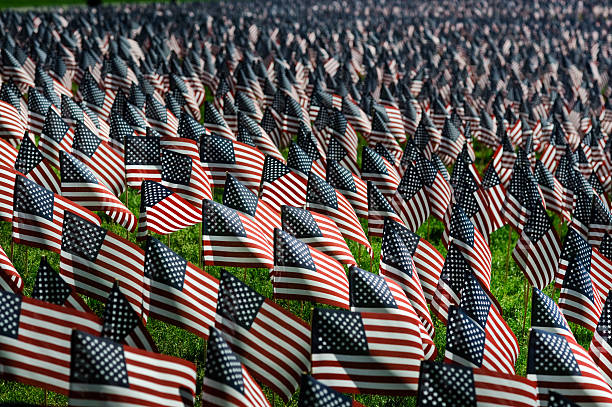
column 345, row 344
column 557, row 198
column 318, row 231
column 601, row 345
column 10, row 280
column 426, row 259
column 159, row 211
column 227, row 381
column 345, row 155
column 379, row 171
column 31, row 163
column 280, row 185
column 233, row 239
column 92, row 259
column 249, row 130
column 38, row 215
column 601, row 268
column 220, row 155
column 46, row 328
column 122, row 324
column 56, row 136
column 578, row 300
column 439, row 190
column 80, row 184
column 442, row 383
column 160, row 118
column 352, row 187
column 104, row 371
column 179, row 293
column 51, row 287
column 410, row 201
column 427, row 137
column 381, row 133
column 142, row 159
column 323, row 198
column 357, row 117
column 313, row 393
column 38, row 106
column 600, row 223
column 477, row 334
column 214, row 122
column 185, row 176
column 303, row 273
column 379, row 209
column 273, row 343
column 12, row 124
column 538, row 248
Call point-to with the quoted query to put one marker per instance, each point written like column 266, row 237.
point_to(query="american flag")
column 379, row 171
column 270, row 341
column 354, row 352
column 600, row 223
column 477, row 334
column 80, row 184
column 311, row 147
column 96, row 99
column 352, row 187
column 214, row 122
column 142, row 160
column 56, row 136
column 337, row 151
column 578, row 300
column 462, row 232
column 249, row 129
column 93, row 259
column 118, row 133
column 31, row 163
column 237, row 196
column 46, row 329
column 600, row 349
column 233, row 239
column 318, row 231
column 410, row 201
column 439, row 190
column 557, row 198
column 271, row 125
column 323, row 198
column 537, row 251
column 189, row 128
column 51, row 287
column 220, row 155
column 379, row 209
column 493, row 193
column 451, row 142
column 12, row 123
column 38, row 215
column 179, row 293
column 573, row 374
column 427, row 137
column 104, row 371
column 357, row 117
column 298, row 160
column 381, row 133
column 601, row 268
column 122, row 324
column 185, row 176
column 280, row 185
column 442, row 383
column 518, row 202
column 160, row 118
column 303, row 273
column 313, row 393
column 73, row 114
column 12, row 68
column 104, row 161
column 8, row 154
column 227, row 381
column 10, row 280
column 159, row 211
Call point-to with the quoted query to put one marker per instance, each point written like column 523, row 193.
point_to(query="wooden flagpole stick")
column 428, row 220
column 245, row 274
column 168, row 240
column 12, row 250
column 508, row 250
column 200, row 249
column 27, row 261
column 526, row 299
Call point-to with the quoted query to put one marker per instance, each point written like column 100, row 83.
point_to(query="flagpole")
column 508, row 250
column 200, row 248
column 526, row 299
column 12, row 250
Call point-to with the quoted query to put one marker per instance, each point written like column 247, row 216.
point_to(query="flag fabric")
column 49, row 286
column 537, row 251
column 313, row 393
column 561, row 365
column 303, row 273
column 477, row 334
column 426, row 259
column 317, row 231
column 104, row 372
column 271, row 342
column 323, row 198
column 600, row 349
column 410, row 201
column 142, row 160
column 38, row 215
column 557, row 198
column 354, row 352
column 163, row 211
column 457, row 385
column 220, row 155
column 8, row 154
column 31, row 163
column 379, row 294
column 601, row 268
column 93, row 259
column 352, row 187
column 439, row 190
column 179, row 293
column 280, row 185
column 46, row 329
column 214, row 122
column 10, row 280
column 233, row 239
column 493, row 192
column 227, row 381
column 250, row 132
column 122, row 324
column 578, row 300
column 379, row 171
column 80, row 184
column 56, row 136
column 185, row 176
column 7, row 185
column 379, row 209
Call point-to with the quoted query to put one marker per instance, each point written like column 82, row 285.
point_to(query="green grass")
column 508, row 287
